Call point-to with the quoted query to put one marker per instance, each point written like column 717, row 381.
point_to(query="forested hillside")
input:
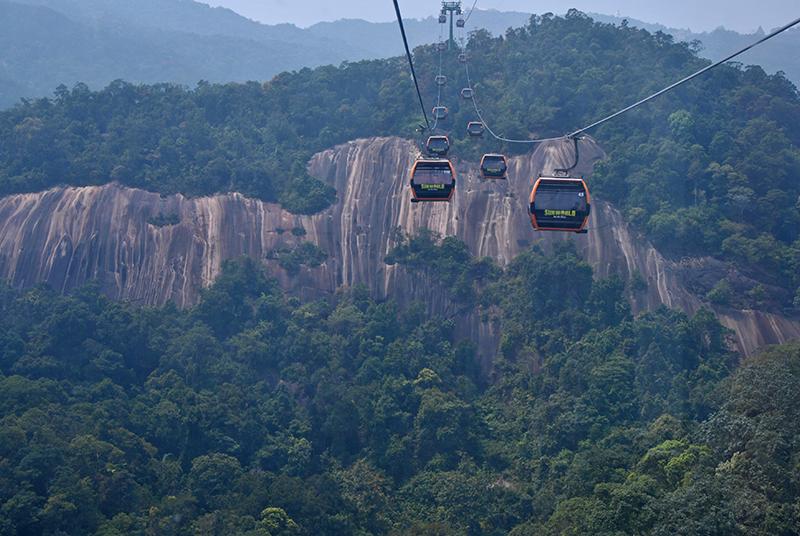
column 45, row 43
column 253, row 414
column 256, row 414
column 710, row 168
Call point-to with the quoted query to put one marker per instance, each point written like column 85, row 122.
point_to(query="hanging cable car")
column 442, row 17
column 460, row 22
column 432, row 180
column 475, row 129
column 462, row 58
column 560, row 204
column 440, row 113
column 467, row 93
column 442, row 46
column 440, row 80
column 494, row 166
column 438, row 146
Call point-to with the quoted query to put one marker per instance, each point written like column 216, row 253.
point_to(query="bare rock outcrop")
column 68, row 235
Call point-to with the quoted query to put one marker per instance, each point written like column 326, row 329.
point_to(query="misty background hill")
column 45, row 43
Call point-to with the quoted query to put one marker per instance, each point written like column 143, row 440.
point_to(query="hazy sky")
column 700, row 15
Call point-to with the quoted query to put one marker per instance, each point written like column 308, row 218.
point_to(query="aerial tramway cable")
column 411, row 63
column 632, row 106
column 698, row 73
column 470, row 12
column 439, row 88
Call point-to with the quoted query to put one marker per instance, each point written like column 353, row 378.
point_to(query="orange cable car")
column 494, row 166
column 467, row 93
column 432, row 180
column 440, row 113
column 475, row 129
column 440, row 80
column 438, row 146
column 560, row 204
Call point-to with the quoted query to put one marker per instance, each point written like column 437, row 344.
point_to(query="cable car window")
column 554, row 199
column 433, row 175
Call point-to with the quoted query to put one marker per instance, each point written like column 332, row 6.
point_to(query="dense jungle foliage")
column 709, row 168
column 255, row 414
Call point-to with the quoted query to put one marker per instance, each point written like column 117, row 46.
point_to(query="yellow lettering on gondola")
column 432, row 186
column 570, row 213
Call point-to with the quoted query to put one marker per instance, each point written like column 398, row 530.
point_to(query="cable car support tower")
column 450, row 7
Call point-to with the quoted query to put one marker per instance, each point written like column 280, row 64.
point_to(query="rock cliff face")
column 68, row 235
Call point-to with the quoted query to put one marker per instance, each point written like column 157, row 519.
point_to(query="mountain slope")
column 43, row 47
column 45, row 43
column 67, row 236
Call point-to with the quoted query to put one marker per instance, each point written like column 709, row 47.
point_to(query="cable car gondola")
column 460, row 22
column 440, row 80
column 438, row 146
column 440, row 113
column 494, row 166
column 560, row 204
column 462, row 58
column 442, row 17
column 432, row 180
column 442, row 46
column 467, row 93
column 475, row 129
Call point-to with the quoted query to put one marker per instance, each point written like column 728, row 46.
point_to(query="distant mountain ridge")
column 45, row 43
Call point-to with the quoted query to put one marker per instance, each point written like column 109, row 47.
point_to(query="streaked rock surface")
column 68, row 235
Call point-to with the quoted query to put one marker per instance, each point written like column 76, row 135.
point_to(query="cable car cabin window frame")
column 560, row 218
column 467, row 91
column 424, row 187
column 438, row 151
column 475, row 136
column 440, row 80
column 494, row 173
column 437, row 117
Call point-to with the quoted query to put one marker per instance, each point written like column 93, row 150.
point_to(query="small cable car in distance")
column 432, row 180
column 442, row 17
column 475, row 129
column 438, row 146
column 440, row 113
column 442, row 46
column 440, row 80
column 462, row 58
column 467, row 93
column 494, row 166
column 460, row 22
column 560, row 204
